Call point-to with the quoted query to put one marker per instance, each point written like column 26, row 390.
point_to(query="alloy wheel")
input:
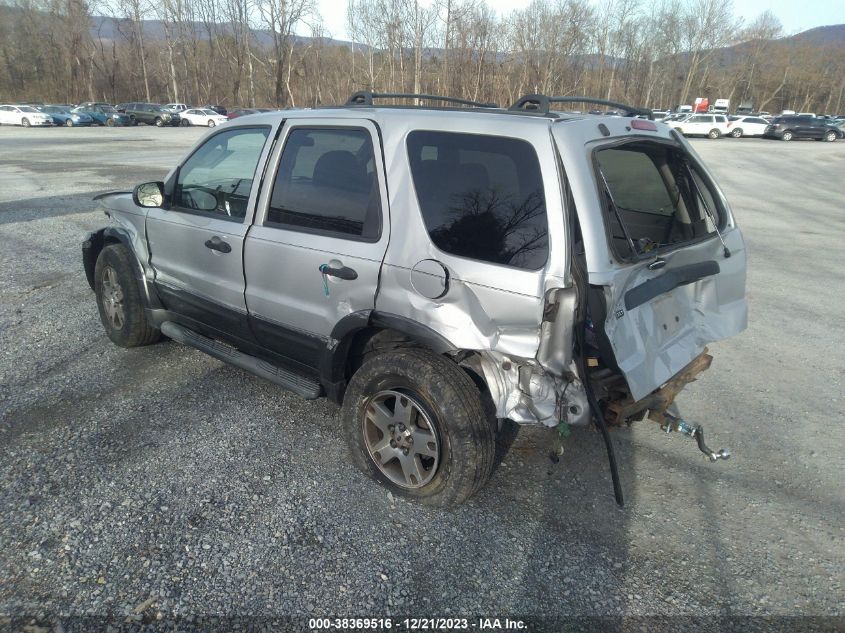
column 401, row 438
column 111, row 295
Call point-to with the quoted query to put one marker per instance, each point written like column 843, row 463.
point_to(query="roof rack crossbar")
column 366, row 97
column 542, row 103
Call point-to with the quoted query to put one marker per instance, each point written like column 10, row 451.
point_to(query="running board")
column 308, row 389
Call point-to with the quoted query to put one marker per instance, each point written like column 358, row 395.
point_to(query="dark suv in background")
column 149, row 113
column 787, row 128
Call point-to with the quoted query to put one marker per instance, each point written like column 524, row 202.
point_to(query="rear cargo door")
column 669, row 283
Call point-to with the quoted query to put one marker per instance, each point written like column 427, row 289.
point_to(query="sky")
column 795, row 16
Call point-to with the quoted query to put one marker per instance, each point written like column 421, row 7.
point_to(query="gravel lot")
column 158, row 484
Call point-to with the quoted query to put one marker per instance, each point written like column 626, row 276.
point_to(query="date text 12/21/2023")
column 416, row 624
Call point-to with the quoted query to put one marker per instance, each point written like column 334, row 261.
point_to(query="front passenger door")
column 196, row 244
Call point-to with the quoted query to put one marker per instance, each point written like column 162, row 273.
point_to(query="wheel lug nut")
column 405, row 451
column 392, row 443
column 390, row 427
column 401, row 427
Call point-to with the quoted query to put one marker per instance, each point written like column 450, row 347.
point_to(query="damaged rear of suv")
column 436, row 271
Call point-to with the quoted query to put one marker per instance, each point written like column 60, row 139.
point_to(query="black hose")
column 581, row 286
column 598, row 416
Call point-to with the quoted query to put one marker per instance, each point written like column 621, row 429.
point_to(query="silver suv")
column 437, row 271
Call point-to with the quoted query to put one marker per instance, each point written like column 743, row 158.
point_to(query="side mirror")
column 149, row 195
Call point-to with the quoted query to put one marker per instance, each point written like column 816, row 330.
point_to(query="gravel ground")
column 160, row 483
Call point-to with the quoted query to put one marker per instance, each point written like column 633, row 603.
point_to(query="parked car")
column 197, row 116
column 87, row 104
column 703, row 124
column 151, row 114
column 660, row 115
column 104, row 114
column 791, row 127
column 429, row 321
column 27, row 116
column 238, row 112
column 747, row 126
column 219, row 109
column 178, row 108
column 64, row 115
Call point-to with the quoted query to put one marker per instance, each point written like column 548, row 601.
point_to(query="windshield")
column 107, row 109
column 209, row 112
column 27, row 109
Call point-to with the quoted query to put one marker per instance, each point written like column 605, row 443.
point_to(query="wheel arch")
column 355, row 333
column 93, row 245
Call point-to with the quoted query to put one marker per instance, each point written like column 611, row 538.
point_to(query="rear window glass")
column 481, row 196
column 655, row 196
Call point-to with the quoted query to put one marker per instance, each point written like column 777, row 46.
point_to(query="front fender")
column 95, row 242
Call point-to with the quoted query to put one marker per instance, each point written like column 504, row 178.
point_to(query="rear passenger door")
column 316, row 249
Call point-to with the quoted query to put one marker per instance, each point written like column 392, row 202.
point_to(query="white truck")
column 722, row 106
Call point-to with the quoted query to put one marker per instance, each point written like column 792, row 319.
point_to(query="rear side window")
column 481, row 197
column 655, row 197
column 327, row 184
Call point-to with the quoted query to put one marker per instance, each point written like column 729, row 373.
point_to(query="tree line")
column 654, row 53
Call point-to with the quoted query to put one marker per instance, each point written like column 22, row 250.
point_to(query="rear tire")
column 455, row 448
column 736, row 133
column 786, row 136
column 119, row 299
column 714, row 133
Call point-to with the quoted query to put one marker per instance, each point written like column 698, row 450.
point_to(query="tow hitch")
column 674, row 423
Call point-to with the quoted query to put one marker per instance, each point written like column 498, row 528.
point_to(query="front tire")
column 25, row 122
column 736, row 133
column 830, row 136
column 714, row 133
column 414, row 421
column 119, row 299
column 159, row 122
column 69, row 123
column 109, row 122
column 211, row 124
column 786, row 136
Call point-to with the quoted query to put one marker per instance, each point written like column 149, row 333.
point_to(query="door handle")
column 657, row 264
column 344, row 272
column 216, row 244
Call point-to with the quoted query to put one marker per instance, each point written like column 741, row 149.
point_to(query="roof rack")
column 366, row 97
column 540, row 103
